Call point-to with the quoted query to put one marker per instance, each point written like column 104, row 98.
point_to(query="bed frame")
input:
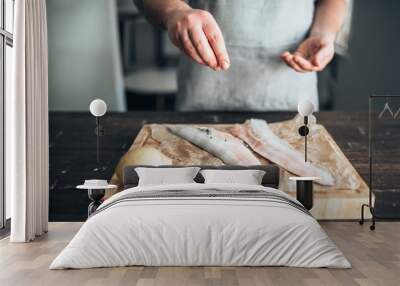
column 271, row 177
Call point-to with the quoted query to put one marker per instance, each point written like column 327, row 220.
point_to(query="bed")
column 201, row 224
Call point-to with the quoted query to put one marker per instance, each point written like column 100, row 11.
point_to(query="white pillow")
column 166, row 176
column 247, row 177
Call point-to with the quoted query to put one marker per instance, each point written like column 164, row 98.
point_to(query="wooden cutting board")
column 156, row 145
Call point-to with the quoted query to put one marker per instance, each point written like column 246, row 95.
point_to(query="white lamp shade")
column 98, row 107
column 305, row 107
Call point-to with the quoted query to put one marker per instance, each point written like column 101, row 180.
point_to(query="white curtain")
column 27, row 124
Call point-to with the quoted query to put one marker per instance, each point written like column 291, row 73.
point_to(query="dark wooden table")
column 73, row 150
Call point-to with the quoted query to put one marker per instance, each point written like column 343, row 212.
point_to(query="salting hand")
column 197, row 34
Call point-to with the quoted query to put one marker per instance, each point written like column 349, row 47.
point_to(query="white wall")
column 84, row 60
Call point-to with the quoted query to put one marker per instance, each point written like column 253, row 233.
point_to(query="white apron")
column 256, row 32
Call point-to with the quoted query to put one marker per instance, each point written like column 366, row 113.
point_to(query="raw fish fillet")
column 257, row 134
column 220, row 144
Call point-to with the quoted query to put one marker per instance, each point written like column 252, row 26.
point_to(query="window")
column 6, row 44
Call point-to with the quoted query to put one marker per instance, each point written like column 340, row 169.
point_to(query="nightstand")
column 96, row 190
column 305, row 190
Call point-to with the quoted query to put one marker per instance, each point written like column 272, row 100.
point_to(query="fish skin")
column 261, row 139
column 222, row 145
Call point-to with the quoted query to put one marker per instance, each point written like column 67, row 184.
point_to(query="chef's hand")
column 313, row 54
column 197, row 34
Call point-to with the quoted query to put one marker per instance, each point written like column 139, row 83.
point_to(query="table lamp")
column 304, row 185
column 98, row 108
column 305, row 109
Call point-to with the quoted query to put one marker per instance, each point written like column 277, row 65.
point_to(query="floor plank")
column 375, row 257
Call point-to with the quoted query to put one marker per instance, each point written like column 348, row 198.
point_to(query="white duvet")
column 192, row 231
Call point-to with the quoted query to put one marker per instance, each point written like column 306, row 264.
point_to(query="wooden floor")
column 375, row 257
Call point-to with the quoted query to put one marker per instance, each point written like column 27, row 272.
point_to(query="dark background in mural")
column 385, row 154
